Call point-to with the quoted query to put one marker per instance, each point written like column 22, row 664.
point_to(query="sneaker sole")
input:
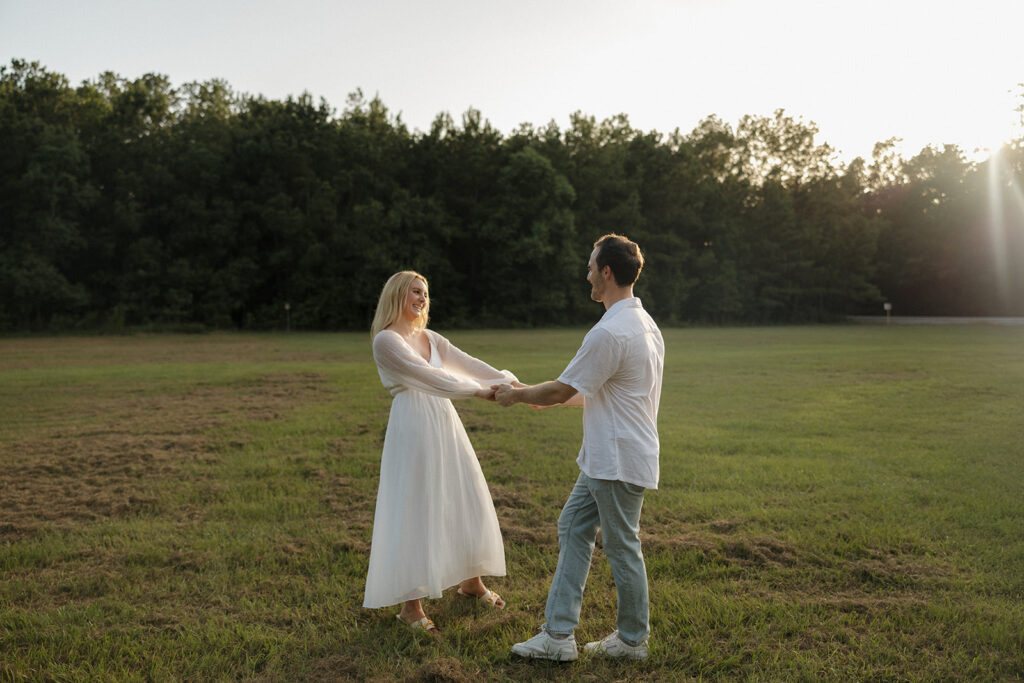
column 536, row 655
column 596, row 652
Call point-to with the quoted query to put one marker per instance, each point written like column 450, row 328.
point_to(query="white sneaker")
column 545, row 646
column 613, row 646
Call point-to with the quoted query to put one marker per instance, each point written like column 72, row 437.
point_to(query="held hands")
column 504, row 394
column 488, row 394
column 485, row 394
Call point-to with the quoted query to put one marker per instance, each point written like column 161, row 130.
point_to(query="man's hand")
column 505, row 394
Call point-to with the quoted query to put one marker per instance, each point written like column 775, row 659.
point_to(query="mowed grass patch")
column 836, row 503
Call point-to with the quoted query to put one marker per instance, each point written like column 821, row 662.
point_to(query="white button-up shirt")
column 618, row 370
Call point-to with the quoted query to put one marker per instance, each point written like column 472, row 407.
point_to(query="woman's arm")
column 407, row 367
column 461, row 362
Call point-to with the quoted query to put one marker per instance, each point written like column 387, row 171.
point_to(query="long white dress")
column 435, row 524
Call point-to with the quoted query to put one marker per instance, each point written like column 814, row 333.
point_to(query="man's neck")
column 614, row 295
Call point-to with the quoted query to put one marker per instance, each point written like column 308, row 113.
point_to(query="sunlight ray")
column 997, row 226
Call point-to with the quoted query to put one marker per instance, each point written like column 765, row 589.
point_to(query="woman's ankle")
column 412, row 611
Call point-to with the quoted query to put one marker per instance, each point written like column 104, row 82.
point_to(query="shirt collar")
column 631, row 302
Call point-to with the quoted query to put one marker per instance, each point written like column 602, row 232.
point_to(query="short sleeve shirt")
column 618, row 369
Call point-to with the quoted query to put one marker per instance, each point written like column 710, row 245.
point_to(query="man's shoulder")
column 599, row 334
column 628, row 322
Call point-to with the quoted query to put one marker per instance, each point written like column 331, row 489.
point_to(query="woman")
column 434, row 525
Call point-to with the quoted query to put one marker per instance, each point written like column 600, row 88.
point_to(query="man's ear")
column 607, row 274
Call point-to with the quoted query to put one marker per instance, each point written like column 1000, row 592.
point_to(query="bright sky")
column 928, row 71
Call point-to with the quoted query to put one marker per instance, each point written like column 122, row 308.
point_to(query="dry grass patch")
column 50, row 352
column 117, row 446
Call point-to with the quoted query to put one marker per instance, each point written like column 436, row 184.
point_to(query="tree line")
column 134, row 203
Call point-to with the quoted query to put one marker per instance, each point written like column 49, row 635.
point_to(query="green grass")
column 836, row 503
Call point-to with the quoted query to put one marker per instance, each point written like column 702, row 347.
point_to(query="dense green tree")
column 921, row 264
column 44, row 188
column 528, row 244
column 459, row 168
column 129, row 202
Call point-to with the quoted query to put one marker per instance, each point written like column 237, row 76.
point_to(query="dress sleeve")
column 458, row 361
column 397, row 359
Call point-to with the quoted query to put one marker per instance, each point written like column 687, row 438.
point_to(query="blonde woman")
column 434, row 525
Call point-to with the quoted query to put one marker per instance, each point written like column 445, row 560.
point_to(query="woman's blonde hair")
column 392, row 298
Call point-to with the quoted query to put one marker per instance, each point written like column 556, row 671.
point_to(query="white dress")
column 434, row 525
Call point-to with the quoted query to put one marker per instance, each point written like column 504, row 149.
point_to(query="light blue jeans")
column 614, row 507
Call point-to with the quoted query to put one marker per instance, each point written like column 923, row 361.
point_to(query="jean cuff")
column 559, row 636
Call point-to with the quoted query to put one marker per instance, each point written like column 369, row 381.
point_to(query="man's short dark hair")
column 622, row 256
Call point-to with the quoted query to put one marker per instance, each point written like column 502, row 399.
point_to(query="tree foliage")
column 132, row 203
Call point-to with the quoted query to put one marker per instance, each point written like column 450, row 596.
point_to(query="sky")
column 930, row 73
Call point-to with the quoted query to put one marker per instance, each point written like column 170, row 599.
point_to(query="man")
column 616, row 377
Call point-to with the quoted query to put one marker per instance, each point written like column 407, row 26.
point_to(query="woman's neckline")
column 430, row 343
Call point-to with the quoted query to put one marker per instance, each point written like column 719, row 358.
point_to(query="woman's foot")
column 422, row 624
column 475, row 588
column 412, row 615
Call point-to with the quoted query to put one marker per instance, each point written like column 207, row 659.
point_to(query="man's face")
column 594, row 277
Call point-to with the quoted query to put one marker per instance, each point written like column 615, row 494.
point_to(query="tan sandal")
column 490, row 598
column 421, row 624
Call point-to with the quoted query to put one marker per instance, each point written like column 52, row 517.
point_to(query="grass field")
column 836, row 503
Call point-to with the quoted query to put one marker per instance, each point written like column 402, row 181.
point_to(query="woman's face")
column 415, row 300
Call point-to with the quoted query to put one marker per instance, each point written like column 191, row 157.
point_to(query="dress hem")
column 422, row 592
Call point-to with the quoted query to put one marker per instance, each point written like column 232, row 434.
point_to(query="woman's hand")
column 485, row 394
column 504, row 394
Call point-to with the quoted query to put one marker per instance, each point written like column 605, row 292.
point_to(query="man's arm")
column 544, row 394
column 574, row 400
